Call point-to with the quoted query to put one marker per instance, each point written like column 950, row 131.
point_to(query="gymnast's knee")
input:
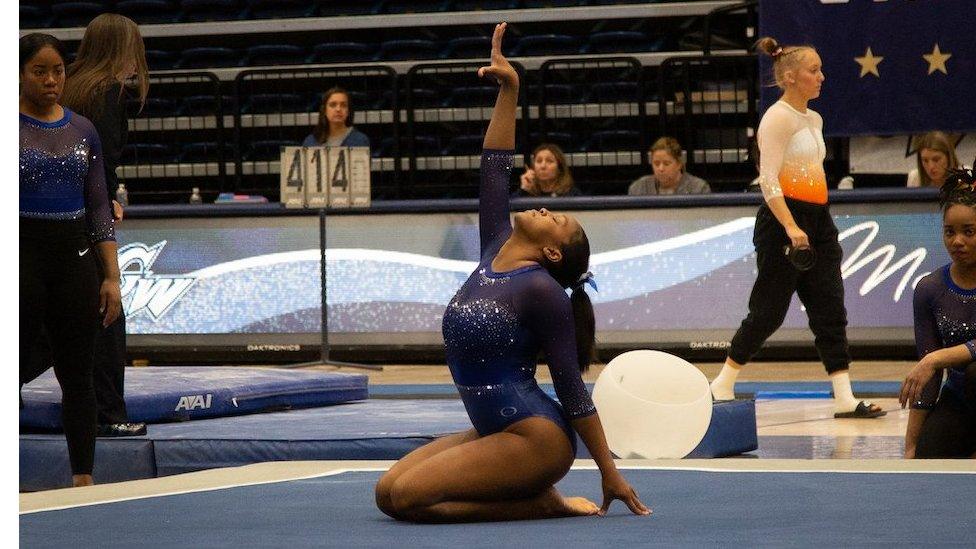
column 406, row 501
column 383, row 499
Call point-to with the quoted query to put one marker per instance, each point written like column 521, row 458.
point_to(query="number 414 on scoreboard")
column 320, row 177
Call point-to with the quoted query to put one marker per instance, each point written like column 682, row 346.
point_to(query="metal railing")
column 709, row 104
column 447, row 108
column 604, row 112
column 178, row 133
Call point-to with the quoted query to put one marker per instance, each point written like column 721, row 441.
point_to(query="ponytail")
column 569, row 273
column 585, row 324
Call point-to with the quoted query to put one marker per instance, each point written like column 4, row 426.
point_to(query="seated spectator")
column 335, row 123
column 669, row 176
column 549, row 174
column 935, row 156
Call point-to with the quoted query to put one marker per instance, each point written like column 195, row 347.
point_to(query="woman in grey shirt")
column 669, row 175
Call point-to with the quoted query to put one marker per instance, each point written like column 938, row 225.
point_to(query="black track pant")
column 110, row 372
column 821, row 289
column 109, row 369
column 949, row 430
column 59, row 285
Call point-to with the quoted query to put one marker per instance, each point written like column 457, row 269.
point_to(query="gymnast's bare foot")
column 579, row 507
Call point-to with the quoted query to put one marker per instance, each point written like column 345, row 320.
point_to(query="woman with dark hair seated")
column 335, row 127
column 944, row 425
column 512, row 306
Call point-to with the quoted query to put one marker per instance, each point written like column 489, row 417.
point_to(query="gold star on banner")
column 869, row 63
column 937, row 60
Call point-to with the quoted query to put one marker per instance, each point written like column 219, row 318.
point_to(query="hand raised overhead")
column 500, row 69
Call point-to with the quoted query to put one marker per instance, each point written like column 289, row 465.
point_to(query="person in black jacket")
column 110, row 66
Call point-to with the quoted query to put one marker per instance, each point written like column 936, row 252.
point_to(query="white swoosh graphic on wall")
column 466, row 267
column 231, row 295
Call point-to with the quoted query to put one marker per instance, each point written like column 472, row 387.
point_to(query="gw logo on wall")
column 141, row 289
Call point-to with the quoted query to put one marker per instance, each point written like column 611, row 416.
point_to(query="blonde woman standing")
column 795, row 215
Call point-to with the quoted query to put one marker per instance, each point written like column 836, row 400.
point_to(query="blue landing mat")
column 691, row 509
column 154, row 395
column 374, row 429
column 756, row 389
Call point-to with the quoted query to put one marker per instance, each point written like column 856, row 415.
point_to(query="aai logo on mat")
column 143, row 290
column 194, row 402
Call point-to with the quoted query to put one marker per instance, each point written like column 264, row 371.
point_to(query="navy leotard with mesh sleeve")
column 62, row 173
column 497, row 323
column 945, row 316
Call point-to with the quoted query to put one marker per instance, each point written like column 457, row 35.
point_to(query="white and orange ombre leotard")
column 791, row 154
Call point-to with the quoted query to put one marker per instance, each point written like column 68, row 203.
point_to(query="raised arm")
column 499, row 144
column 501, row 129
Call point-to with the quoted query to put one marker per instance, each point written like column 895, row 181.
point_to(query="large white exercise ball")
column 652, row 405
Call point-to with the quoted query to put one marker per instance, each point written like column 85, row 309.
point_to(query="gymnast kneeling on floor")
column 944, row 425
column 512, row 305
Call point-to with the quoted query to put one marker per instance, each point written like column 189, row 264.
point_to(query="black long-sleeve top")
column 112, row 124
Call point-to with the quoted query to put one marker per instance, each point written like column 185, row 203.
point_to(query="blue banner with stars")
column 891, row 66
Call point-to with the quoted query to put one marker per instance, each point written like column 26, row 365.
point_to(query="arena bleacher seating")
column 234, row 80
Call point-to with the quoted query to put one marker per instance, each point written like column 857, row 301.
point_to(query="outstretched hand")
column 615, row 487
column 500, row 69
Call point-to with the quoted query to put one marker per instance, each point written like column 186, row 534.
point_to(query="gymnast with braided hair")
column 512, row 306
column 944, row 425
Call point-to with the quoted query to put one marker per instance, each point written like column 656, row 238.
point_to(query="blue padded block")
column 44, row 461
column 732, row 430
column 771, row 395
column 861, row 388
column 155, row 395
column 374, row 429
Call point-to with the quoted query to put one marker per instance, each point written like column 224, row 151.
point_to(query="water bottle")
column 195, row 197
column 122, row 195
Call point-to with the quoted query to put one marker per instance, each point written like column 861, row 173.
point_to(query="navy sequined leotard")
column 945, row 316
column 497, row 323
column 62, row 174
